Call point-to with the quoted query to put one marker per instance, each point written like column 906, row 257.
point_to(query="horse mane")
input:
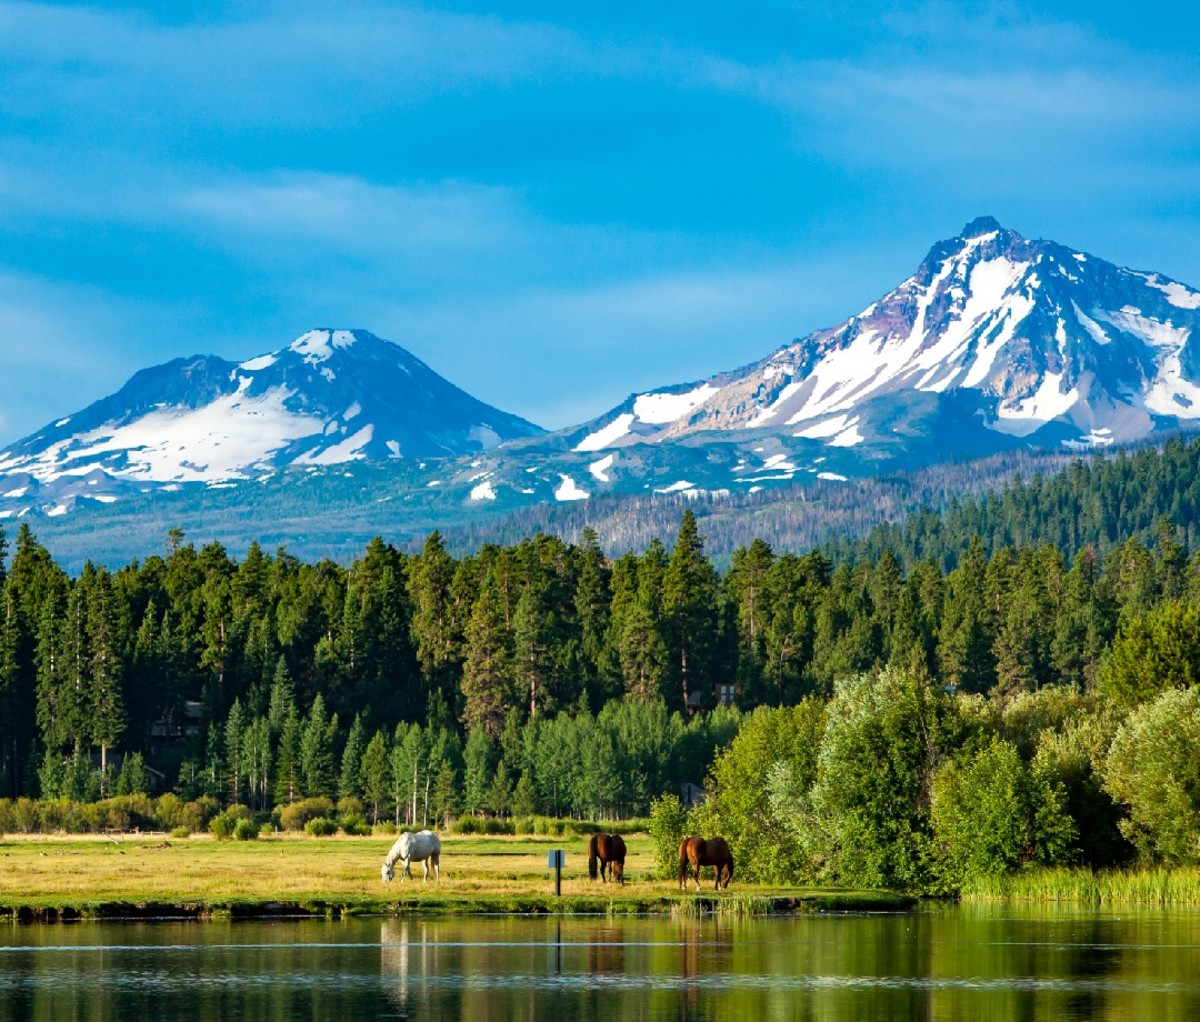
column 396, row 852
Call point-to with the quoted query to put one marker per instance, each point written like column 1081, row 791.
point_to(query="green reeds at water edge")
column 1154, row 886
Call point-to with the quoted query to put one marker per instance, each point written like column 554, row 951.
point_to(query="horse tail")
column 592, row 857
column 683, row 861
column 729, row 875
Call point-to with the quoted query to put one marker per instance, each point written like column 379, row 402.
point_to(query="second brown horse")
column 608, row 851
column 696, row 852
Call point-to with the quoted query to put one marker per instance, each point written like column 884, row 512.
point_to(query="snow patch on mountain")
column 255, row 364
column 216, row 441
column 607, row 435
column 350, row 449
column 599, row 469
column 1179, row 295
column 569, row 490
column 318, row 345
column 483, row 491
column 655, row 409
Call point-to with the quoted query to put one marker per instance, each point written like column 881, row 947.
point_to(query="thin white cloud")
column 302, row 64
column 354, row 214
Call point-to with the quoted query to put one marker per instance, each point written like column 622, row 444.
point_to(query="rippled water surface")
column 940, row 963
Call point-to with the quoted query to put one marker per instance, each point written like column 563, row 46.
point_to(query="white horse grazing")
column 424, row 847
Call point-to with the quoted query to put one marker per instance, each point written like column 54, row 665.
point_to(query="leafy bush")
column 198, row 813
column 8, row 823
column 245, row 830
column 297, row 815
column 757, row 818
column 223, row 825
column 991, row 814
column 168, row 810
column 322, row 826
column 668, row 826
column 26, row 816
column 355, row 825
column 1153, row 768
column 181, row 832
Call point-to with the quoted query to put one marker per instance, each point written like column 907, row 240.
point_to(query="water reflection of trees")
column 959, row 962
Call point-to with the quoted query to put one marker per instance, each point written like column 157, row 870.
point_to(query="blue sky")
column 552, row 204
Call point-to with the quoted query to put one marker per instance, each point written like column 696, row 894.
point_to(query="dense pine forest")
column 1011, row 683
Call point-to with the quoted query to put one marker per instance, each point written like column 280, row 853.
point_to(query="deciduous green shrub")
column 993, row 814
column 224, row 824
column 668, row 826
column 245, row 830
column 1154, row 769
column 322, row 826
column 356, row 826
column 297, row 815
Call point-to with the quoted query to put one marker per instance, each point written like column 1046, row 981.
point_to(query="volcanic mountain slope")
column 996, row 343
column 1023, row 339
column 330, row 397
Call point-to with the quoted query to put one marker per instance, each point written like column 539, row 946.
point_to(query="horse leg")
column 425, row 867
column 406, row 872
column 437, row 867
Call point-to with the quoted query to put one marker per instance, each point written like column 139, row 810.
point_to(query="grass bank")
column 1180, row 886
column 67, row 878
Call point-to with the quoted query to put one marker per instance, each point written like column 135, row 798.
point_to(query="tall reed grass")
column 1149, row 886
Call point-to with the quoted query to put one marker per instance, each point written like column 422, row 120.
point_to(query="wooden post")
column 556, row 858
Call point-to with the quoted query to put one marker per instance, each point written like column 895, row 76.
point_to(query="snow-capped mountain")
column 996, row 342
column 330, row 397
column 1024, row 339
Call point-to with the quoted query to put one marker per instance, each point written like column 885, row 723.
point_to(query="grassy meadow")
column 70, row 876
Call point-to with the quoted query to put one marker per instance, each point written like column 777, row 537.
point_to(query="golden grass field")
column 94, row 875
column 38, row 870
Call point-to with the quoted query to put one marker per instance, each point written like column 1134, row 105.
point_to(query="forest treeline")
column 1099, row 502
column 546, row 677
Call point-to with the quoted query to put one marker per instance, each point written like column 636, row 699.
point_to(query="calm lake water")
column 950, row 962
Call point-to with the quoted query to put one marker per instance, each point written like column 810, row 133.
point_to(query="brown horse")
column 696, row 852
column 608, row 850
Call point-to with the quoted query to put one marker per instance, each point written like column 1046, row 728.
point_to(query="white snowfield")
column 569, row 490
column 221, row 440
column 599, row 469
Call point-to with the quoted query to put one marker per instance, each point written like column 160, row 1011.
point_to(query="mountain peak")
column 319, row 344
column 979, row 226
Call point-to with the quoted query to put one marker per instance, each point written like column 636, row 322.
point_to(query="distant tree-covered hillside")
column 1099, row 503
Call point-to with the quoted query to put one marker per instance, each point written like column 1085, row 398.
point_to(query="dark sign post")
column 556, row 858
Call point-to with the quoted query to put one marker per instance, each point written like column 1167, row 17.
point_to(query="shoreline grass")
column 137, row 876
column 1082, row 886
